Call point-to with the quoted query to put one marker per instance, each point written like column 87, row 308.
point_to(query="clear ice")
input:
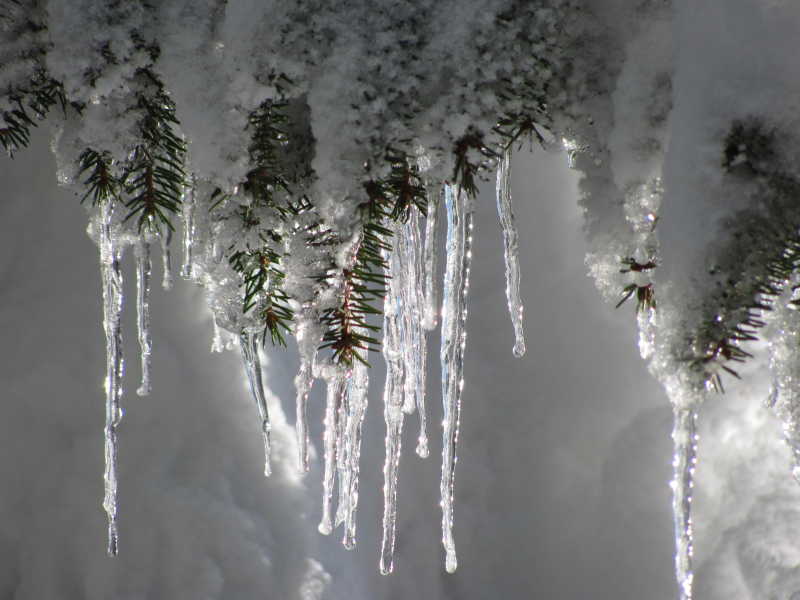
column 357, row 396
column 307, row 343
column 505, row 214
column 336, row 389
column 188, row 209
column 393, row 401
column 460, row 212
column 252, row 365
column 684, row 437
column 409, row 272
column 166, row 259
column 431, row 261
column 784, row 365
column 144, row 268
column 111, row 275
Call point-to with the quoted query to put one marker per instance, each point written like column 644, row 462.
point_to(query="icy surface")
column 460, row 210
column 511, row 251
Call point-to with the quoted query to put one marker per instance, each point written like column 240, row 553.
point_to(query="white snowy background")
column 564, row 460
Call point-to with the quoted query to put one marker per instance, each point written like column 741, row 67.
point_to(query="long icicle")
column 431, row 260
column 337, row 386
column 252, row 364
column 357, row 406
column 393, row 394
column 111, row 274
column 454, row 313
column 414, row 349
column 505, row 214
column 144, row 268
column 684, row 437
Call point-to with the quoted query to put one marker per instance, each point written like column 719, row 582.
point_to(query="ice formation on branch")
column 321, row 135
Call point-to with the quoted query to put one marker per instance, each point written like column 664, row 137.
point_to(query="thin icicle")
column 111, row 274
column 189, row 233
column 505, row 214
column 166, row 260
column 431, row 262
column 392, row 409
column 302, row 383
column 252, row 364
column 337, row 386
column 144, row 269
column 454, row 313
column 357, row 395
column 684, row 437
column 308, row 336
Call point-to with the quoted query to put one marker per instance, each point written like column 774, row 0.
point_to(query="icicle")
column 357, row 394
column 392, row 409
column 189, row 232
column 511, row 251
column 111, row 274
column 308, row 335
column 684, row 438
column 252, row 364
column 166, row 260
column 431, row 262
column 784, row 365
column 412, row 307
column 336, row 390
column 302, row 384
column 217, row 345
column 143, row 271
column 454, row 313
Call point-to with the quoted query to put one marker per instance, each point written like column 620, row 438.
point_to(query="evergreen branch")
column 348, row 332
column 466, row 168
column 102, row 184
column 763, row 256
column 35, row 101
column 645, row 296
column 262, row 280
column 155, row 175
